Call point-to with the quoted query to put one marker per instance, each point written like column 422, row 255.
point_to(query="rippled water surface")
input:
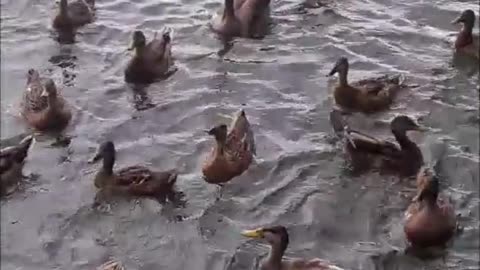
column 298, row 179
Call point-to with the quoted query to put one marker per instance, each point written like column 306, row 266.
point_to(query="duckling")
column 111, row 265
column 11, row 163
column 366, row 151
column 277, row 237
column 133, row 180
column 74, row 15
column 466, row 42
column 233, row 151
column 244, row 18
column 368, row 95
column 429, row 222
column 151, row 60
column 43, row 107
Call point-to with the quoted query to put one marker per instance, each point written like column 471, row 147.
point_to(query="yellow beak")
column 257, row 233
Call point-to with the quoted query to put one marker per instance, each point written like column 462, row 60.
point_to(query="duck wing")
column 315, row 264
column 14, row 154
column 241, row 135
column 80, row 9
column 32, row 98
column 375, row 86
column 133, row 175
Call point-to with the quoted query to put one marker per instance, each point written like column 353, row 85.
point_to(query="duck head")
column 467, row 18
column 219, row 132
column 32, row 75
column 138, row 40
column 106, row 151
column 429, row 189
column 276, row 236
column 341, row 66
column 402, row 124
column 50, row 90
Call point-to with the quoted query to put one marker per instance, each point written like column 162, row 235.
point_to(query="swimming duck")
column 368, row 95
column 429, row 221
column 43, row 107
column 151, row 60
column 277, row 237
column 466, row 42
column 366, row 151
column 233, row 151
column 11, row 163
column 73, row 15
column 133, row 180
column 244, row 18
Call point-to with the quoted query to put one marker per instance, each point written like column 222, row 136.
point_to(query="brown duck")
column 244, row 18
column 278, row 239
column 466, row 42
column 429, row 221
column 367, row 152
column 233, row 151
column 133, row 180
column 73, row 15
column 11, row 163
column 151, row 60
column 368, row 95
column 43, row 107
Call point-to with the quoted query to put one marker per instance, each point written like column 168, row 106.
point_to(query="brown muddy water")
column 298, row 179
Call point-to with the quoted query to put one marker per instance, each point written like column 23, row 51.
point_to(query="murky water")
column 298, row 179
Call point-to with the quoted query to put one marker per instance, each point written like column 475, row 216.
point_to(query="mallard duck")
column 429, row 221
column 43, row 107
column 245, row 18
column 233, row 151
column 73, row 15
column 366, row 151
column 111, row 265
column 151, row 60
column 277, row 237
column 466, row 42
column 133, row 180
column 368, row 95
column 11, row 163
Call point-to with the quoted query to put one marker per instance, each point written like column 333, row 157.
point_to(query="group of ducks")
column 430, row 221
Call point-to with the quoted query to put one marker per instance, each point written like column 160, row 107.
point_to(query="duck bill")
column 458, row 20
column 131, row 46
column 421, row 129
column 333, row 71
column 257, row 233
column 95, row 159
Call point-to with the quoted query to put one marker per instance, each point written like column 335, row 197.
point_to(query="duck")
column 466, row 42
column 74, row 15
column 151, row 60
column 111, row 265
column 368, row 95
column 368, row 152
column 242, row 18
column 277, row 237
column 137, row 180
column 43, row 107
column 233, row 151
column 12, row 159
column 429, row 221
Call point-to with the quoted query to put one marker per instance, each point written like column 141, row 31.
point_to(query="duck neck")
column 64, row 8
column 108, row 161
column 430, row 201
column 274, row 259
column 402, row 138
column 220, row 148
column 229, row 9
column 52, row 102
column 342, row 77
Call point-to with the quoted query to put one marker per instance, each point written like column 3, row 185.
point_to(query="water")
column 298, row 179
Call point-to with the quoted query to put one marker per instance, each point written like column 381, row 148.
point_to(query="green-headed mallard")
column 43, row 107
column 366, row 151
column 467, row 42
column 133, row 180
column 152, row 60
column 277, row 237
column 73, row 15
column 429, row 221
column 11, row 163
column 233, row 151
column 245, row 18
column 368, row 95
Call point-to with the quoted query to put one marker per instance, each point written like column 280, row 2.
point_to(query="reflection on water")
column 299, row 179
